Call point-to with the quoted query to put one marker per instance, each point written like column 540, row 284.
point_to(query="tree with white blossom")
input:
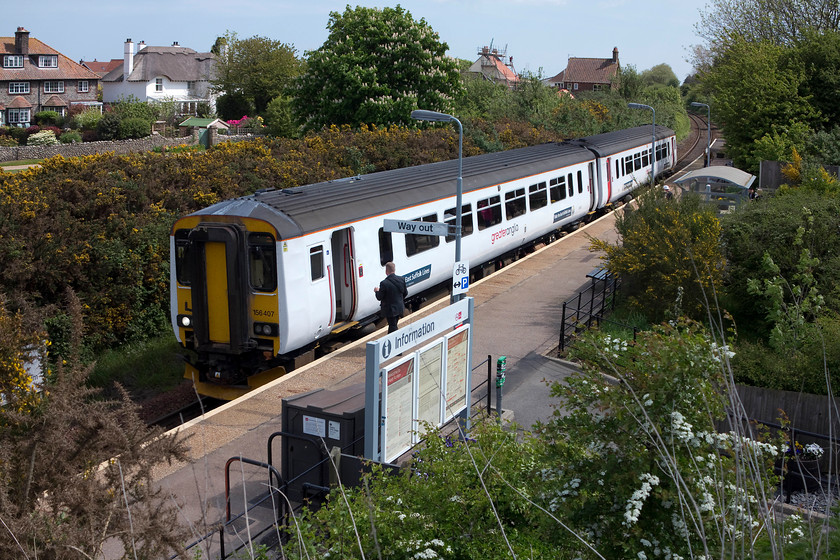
column 376, row 66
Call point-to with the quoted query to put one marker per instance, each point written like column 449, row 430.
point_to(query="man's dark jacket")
column 392, row 292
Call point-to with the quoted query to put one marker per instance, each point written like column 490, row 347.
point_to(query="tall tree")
column 376, row 66
column 258, row 68
column 754, row 86
column 778, row 21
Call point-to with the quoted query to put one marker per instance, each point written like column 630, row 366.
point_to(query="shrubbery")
column 70, row 137
column 43, row 138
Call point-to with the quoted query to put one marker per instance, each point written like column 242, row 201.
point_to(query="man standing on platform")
column 391, row 293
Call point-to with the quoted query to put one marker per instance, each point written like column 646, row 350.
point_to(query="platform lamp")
column 434, row 116
column 708, row 130
column 653, row 138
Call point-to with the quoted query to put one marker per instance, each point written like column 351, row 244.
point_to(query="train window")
column 515, row 203
column 558, row 189
column 645, row 158
column 489, row 212
column 182, row 251
column 415, row 243
column 316, row 262
column 617, row 168
column 571, row 184
column 537, row 196
column 628, row 164
column 386, row 247
column 637, row 161
column 466, row 221
column 580, row 181
column 262, row 261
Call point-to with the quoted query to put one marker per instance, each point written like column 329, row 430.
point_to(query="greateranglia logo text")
column 508, row 231
column 418, row 275
column 408, row 338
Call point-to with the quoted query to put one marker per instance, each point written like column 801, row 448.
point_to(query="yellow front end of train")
column 225, row 305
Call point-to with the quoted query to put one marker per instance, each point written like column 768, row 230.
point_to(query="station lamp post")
column 708, row 130
column 434, row 116
column 653, row 138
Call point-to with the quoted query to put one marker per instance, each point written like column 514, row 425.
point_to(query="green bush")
column 133, row 127
column 87, row 120
column 43, row 138
column 46, row 118
column 70, row 137
column 8, row 141
column 109, row 126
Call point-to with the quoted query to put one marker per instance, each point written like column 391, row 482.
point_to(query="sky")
column 540, row 34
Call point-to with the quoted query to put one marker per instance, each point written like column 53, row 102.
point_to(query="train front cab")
column 225, row 304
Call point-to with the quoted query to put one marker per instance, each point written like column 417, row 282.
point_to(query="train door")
column 344, row 274
column 592, row 201
column 219, row 272
column 609, row 182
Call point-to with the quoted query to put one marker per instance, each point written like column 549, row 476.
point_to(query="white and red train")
column 260, row 279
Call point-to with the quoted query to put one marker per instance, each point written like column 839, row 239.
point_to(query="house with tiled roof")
column 172, row 73
column 588, row 74
column 496, row 67
column 101, row 68
column 35, row 77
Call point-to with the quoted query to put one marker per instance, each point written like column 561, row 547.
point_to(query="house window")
column 83, row 86
column 575, row 86
column 54, row 86
column 158, row 84
column 18, row 116
column 59, row 110
column 18, row 87
column 48, row 61
column 13, row 61
column 597, row 87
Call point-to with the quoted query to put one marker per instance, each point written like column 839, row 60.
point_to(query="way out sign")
column 415, row 227
column 460, row 278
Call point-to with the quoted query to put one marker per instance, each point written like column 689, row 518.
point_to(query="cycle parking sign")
column 460, row 278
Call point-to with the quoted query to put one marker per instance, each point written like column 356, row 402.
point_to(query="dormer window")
column 48, row 61
column 13, row 61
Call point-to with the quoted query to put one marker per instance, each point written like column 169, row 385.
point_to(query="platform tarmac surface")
column 517, row 314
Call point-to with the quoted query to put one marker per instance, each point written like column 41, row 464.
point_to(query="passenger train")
column 259, row 280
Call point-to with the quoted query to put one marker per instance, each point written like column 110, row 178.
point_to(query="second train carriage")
column 259, row 279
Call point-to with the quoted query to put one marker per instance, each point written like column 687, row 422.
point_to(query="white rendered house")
column 173, row 73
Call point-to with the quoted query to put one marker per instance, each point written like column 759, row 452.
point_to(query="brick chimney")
column 21, row 41
column 128, row 59
column 615, row 55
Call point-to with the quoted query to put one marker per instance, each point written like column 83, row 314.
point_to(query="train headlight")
column 185, row 321
column 266, row 329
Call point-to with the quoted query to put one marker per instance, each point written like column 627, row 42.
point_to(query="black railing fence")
column 589, row 307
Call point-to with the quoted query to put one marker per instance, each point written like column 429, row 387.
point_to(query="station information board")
column 426, row 384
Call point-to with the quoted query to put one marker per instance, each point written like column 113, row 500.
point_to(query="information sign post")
column 418, row 373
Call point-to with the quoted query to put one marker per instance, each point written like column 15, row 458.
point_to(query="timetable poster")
column 398, row 410
column 456, row 372
column 429, row 374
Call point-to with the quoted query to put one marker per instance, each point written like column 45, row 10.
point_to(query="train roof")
column 610, row 143
column 300, row 210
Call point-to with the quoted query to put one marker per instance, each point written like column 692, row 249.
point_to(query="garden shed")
column 203, row 126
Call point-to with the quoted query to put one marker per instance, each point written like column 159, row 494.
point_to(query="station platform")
column 517, row 314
